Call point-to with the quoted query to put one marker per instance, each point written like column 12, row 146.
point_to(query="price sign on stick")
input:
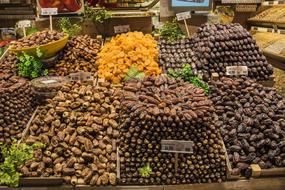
column 50, row 12
column 24, row 24
column 184, row 16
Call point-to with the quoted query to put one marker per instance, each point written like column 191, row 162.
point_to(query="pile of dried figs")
column 38, row 38
column 218, row 46
column 78, row 55
column 163, row 108
column 79, row 127
column 253, row 122
column 9, row 64
column 173, row 55
column 16, row 106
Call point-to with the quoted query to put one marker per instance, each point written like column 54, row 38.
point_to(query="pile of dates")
column 79, row 128
column 253, row 122
column 162, row 108
column 78, row 55
column 9, row 64
column 38, row 38
column 218, row 46
column 16, row 106
column 172, row 55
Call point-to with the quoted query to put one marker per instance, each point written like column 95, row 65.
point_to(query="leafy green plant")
column 133, row 72
column 96, row 15
column 31, row 30
column 30, row 66
column 171, row 31
column 145, row 171
column 186, row 74
column 14, row 156
column 66, row 26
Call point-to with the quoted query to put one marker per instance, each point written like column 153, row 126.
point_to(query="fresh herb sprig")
column 96, row 15
column 171, row 31
column 186, row 74
column 133, row 72
column 14, row 156
column 30, row 66
column 145, row 171
column 66, row 26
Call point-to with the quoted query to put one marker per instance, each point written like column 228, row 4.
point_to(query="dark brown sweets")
column 38, row 38
column 163, row 108
column 16, row 106
column 9, row 64
column 172, row 55
column 78, row 55
column 79, row 128
column 252, row 118
column 218, row 46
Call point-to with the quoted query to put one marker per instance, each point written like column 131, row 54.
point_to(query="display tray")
column 277, row 24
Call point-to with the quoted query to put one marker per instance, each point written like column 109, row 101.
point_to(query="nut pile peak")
column 162, row 108
column 79, row 128
column 218, row 46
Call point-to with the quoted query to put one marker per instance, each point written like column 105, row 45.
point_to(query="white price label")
column 236, row 70
column 177, row 146
column 241, row 1
column 246, row 8
column 183, row 15
column 49, row 81
column 48, row 11
column 24, row 23
column 121, row 29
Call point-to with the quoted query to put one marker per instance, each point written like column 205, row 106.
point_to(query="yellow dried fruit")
column 126, row 50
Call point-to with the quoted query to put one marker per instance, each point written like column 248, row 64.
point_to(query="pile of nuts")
column 79, row 127
column 253, row 120
column 174, row 54
column 78, row 55
column 218, row 46
column 164, row 108
column 38, row 38
column 16, row 106
column 9, row 63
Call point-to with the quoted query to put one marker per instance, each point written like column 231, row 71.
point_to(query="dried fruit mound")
column 173, row 55
column 9, row 64
column 78, row 55
column 79, row 128
column 163, row 108
column 126, row 50
column 38, row 38
column 218, row 46
column 16, row 106
column 253, row 120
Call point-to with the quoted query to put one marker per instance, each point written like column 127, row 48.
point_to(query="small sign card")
column 121, row 29
column 183, row 15
column 24, row 23
column 236, row 70
column 48, row 11
column 177, row 146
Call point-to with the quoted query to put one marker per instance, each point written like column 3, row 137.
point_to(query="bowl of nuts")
column 49, row 42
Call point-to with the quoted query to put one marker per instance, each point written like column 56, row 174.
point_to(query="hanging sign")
column 177, row 146
column 121, row 29
column 236, row 70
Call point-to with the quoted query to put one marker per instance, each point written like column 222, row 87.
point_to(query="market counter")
column 277, row 183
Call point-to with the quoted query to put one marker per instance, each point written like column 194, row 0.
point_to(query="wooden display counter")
column 277, row 183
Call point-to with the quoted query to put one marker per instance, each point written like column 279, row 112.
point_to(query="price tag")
column 121, row 29
column 246, row 8
column 48, row 11
column 49, row 81
column 236, row 70
column 277, row 47
column 183, row 15
column 241, row 1
column 24, row 23
column 177, row 146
